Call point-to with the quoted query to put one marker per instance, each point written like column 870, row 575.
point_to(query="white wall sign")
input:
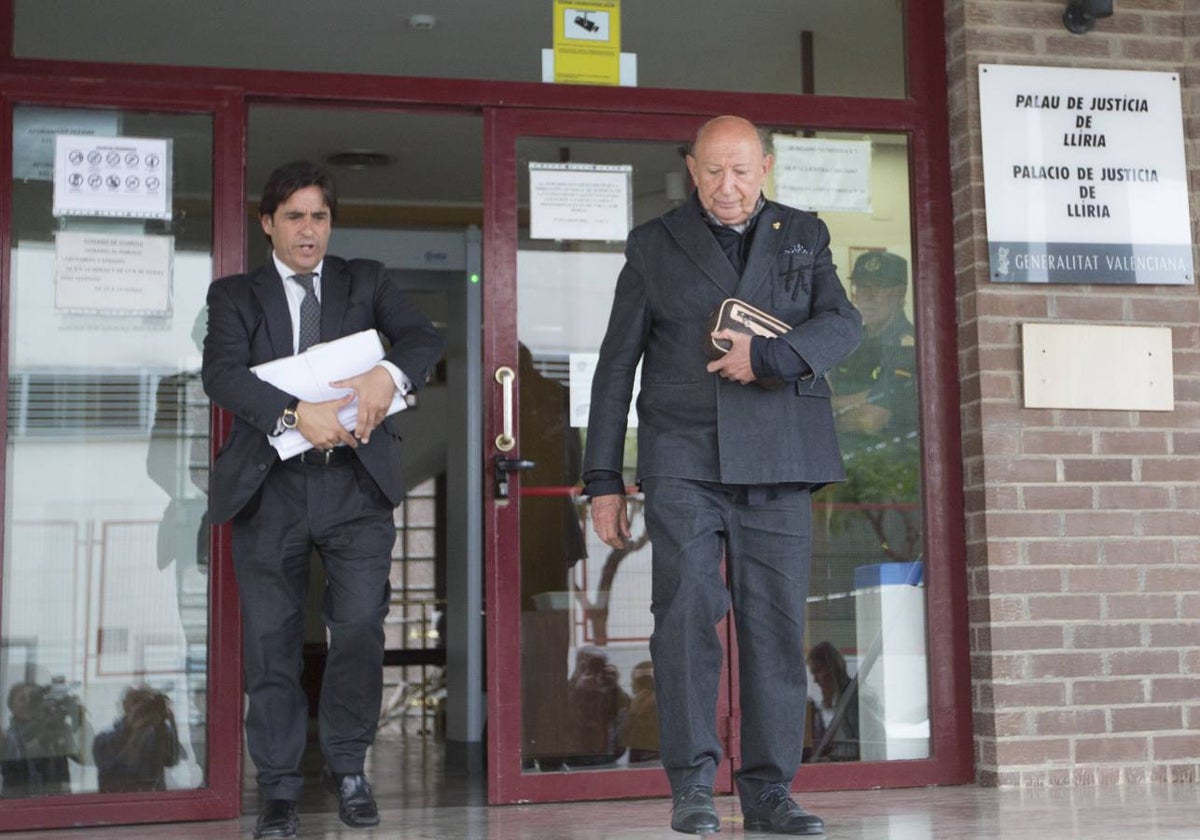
column 580, row 201
column 109, row 273
column 582, row 371
column 125, row 177
column 816, row 174
column 1084, row 176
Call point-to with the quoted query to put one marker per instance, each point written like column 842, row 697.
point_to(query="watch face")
column 289, row 418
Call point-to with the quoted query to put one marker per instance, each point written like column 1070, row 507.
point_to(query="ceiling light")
column 422, row 23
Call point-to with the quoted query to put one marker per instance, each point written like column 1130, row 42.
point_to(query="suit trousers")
column 341, row 512
column 764, row 536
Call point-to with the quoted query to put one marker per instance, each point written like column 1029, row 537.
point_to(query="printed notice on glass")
column 113, row 274
column 587, row 42
column 814, row 174
column 580, row 201
column 1084, row 176
column 118, row 177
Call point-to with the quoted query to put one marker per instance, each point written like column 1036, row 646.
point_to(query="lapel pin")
column 775, row 225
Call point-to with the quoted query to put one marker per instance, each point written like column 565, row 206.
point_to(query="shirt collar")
column 741, row 227
column 285, row 272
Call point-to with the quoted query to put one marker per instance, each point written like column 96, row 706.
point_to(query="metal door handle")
column 505, row 440
column 501, row 467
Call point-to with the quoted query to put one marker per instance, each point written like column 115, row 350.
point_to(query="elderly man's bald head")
column 729, row 161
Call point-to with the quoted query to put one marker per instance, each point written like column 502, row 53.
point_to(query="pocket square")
column 797, row 249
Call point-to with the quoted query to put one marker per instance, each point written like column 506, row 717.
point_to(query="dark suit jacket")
column 249, row 323
column 692, row 423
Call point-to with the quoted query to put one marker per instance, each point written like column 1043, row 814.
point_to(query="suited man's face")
column 299, row 229
column 728, row 167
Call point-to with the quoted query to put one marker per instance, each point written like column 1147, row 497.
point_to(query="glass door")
column 571, row 685
column 115, row 634
column 572, row 712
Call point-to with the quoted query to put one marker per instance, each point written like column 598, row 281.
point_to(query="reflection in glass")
column 866, row 625
column 587, row 687
column 104, row 617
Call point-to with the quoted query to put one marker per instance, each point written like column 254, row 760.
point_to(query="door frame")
column 221, row 798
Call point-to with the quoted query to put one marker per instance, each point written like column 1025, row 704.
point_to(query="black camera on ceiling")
column 1081, row 15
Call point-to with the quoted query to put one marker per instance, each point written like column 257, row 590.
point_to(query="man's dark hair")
column 293, row 176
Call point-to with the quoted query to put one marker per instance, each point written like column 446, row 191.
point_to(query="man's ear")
column 768, row 162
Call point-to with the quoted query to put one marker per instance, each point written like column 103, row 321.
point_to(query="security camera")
column 591, row 25
column 1081, row 15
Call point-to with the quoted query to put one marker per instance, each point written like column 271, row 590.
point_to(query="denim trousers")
column 764, row 537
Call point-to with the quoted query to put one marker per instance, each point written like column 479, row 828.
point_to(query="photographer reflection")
column 133, row 755
column 641, row 722
column 597, row 706
column 834, row 716
column 45, row 731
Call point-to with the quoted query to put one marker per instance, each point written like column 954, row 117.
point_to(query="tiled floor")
column 426, row 803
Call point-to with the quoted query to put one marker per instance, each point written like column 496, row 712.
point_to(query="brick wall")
column 1083, row 527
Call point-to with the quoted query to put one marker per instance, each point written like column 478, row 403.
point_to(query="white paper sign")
column 1084, row 176
column 125, row 177
column 816, row 174
column 111, row 273
column 580, row 201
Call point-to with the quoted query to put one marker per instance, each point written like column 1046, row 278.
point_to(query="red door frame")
column 221, row 799
column 922, row 116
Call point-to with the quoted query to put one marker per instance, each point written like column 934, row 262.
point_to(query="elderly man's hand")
column 610, row 520
column 735, row 364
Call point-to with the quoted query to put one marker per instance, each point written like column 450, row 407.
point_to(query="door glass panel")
column 868, row 684
column 587, row 684
column 587, row 681
column 827, row 47
column 104, row 617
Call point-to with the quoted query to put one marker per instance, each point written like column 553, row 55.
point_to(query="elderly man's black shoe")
column 356, row 798
column 277, row 819
column 774, row 811
column 693, row 812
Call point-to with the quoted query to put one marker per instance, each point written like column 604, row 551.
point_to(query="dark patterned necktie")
column 310, row 313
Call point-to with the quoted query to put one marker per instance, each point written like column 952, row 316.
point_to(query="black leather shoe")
column 692, row 811
column 774, row 811
column 277, row 819
column 356, row 798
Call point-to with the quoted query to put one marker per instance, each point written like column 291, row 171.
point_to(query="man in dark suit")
column 337, row 497
column 726, row 464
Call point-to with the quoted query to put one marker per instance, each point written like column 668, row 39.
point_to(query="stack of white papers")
column 307, row 375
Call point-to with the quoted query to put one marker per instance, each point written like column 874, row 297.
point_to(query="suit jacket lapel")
column 688, row 228
column 268, row 290
column 335, row 289
column 768, row 234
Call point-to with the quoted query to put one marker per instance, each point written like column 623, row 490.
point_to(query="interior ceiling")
column 437, row 158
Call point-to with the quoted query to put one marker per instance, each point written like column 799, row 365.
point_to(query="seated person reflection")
column 838, row 706
column 143, row 742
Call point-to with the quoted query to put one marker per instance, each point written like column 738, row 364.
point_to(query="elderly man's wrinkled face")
column 728, row 166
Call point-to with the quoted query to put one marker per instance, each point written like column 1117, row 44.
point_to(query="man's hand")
column 319, row 423
column 610, row 521
column 735, row 364
column 375, row 390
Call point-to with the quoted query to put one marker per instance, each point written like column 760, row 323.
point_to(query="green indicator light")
column 474, row 278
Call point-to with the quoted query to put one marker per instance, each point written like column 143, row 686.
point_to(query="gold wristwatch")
column 290, row 416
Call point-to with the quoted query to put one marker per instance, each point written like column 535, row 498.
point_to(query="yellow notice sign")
column 587, row 42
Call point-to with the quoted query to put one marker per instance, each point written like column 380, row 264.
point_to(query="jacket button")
column 262, row 467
